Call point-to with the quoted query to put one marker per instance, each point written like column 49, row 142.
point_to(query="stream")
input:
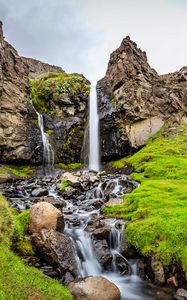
column 98, row 240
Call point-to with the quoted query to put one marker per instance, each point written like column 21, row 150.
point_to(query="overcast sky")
column 79, row 35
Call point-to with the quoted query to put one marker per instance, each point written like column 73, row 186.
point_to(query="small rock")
column 181, row 294
column 39, row 192
column 94, row 288
column 158, row 271
column 73, row 180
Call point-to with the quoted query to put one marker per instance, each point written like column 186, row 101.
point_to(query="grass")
column 18, row 281
column 157, row 210
column 54, row 86
column 63, row 184
column 72, row 166
column 20, row 171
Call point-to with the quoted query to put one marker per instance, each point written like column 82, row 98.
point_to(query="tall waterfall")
column 93, row 131
column 48, row 154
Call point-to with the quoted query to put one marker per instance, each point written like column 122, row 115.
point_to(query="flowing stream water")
column 93, row 131
column 131, row 286
column 48, row 153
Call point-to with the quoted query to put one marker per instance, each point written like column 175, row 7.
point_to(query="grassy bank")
column 158, row 208
column 18, row 281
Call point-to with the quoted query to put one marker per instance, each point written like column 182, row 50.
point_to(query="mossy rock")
column 18, row 281
column 53, row 87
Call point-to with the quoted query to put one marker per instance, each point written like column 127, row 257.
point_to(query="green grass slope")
column 157, row 209
column 18, row 281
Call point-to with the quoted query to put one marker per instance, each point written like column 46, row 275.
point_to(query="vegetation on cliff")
column 157, row 209
column 20, row 171
column 18, row 281
column 55, row 86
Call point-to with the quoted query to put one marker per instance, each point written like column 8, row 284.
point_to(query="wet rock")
column 102, row 252
column 57, row 202
column 73, row 180
column 96, row 203
column 39, row 192
column 127, row 249
column 114, row 201
column 45, row 215
column 94, row 288
column 122, row 265
column 158, row 272
column 8, row 178
column 98, row 229
column 58, row 250
column 181, row 294
column 140, row 268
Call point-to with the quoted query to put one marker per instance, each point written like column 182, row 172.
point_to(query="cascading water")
column 93, row 131
column 48, row 154
column 130, row 285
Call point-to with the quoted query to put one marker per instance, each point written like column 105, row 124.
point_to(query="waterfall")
column 93, row 131
column 48, row 154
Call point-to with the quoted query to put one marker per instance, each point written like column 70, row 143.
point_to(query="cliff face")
column 37, row 67
column 62, row 99
column 134, row 101
column 18, row 135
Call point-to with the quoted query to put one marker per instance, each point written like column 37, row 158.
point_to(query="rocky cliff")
column 62, row 99
column 134, row 101
column 18, row 135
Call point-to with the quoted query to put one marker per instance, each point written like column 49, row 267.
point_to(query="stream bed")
column 99, row 242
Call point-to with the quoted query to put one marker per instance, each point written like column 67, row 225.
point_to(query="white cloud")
column 79, row 35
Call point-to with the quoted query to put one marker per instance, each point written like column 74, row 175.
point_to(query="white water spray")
column 48, row 154
column 93, row 131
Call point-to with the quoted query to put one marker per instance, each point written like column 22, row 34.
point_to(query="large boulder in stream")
column 94, row 288
column 44, row 215
column 58, row 250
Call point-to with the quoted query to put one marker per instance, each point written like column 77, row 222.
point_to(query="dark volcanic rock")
column 19, row 137
column 134, row 101
column 58, row 250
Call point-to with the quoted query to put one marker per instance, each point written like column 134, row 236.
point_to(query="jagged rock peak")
column 128, row 61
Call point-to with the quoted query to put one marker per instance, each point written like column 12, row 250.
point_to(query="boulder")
column 45, row 215
column 58, row 250
column 181, row 294
column 102, row 253
column 94, row 288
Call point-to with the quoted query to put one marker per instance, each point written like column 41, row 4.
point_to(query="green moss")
column 63, row 184
column 20, row 171
column 157, row 210
column 6, row 223
column 113, row 100
column 69, row 166
column 49, row 132
column 54, row 86
column 21, row 241
column 18, row 281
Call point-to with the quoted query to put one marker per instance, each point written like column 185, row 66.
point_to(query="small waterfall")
column 48, row 154
column 93, row 131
